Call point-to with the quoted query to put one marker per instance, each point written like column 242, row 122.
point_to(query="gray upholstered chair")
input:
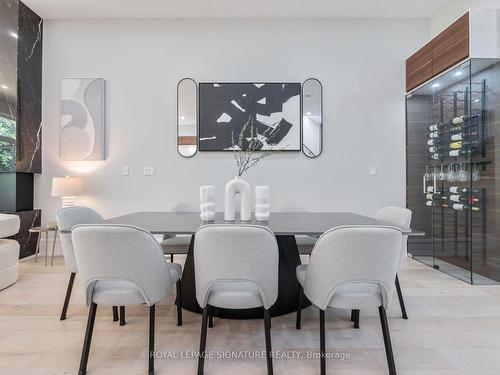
column 67, row 218
column 178, row 244
column 400, row 217
column 305, row 243
column 352, row 267
column 236, row 267
column 122, row 265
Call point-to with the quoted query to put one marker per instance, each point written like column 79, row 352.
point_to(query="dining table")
column 285, row 226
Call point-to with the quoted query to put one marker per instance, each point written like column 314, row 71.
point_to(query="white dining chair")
column 236, row 267
column 122, row 265
column 352, row 267
column 305, row 243
column 178, row 244
column 400, row 217
column 67, row 218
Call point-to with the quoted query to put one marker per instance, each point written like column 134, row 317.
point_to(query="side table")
column 45, row 229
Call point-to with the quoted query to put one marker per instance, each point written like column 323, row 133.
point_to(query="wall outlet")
column 125, row 171
column 149, row 171
column 373, row 171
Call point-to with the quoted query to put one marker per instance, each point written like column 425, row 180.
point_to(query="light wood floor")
column 454, row 328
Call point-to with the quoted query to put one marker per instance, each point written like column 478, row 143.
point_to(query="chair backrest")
column 398, row 216
column 236, row 253
column 121, row 252
column 353, row 254
column 67, row 218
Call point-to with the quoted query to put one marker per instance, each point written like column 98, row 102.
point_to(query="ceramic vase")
column 237, row 186
column 262, row 203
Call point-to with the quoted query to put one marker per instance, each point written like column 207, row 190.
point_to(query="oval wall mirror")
column 187, row 119
column 312, row 118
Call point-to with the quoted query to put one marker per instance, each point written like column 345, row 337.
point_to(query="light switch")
column 373, row 171
column 149, row 171
column 125, row 171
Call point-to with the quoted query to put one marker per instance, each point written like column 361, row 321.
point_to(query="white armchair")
column 9, row 250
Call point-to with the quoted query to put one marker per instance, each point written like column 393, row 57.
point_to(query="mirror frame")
column 321, row 113
column 196, row 117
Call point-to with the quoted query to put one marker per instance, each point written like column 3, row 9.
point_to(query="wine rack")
column 452, row 128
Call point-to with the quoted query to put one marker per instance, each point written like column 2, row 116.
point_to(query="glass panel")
column 187, row 119
column 312, row 120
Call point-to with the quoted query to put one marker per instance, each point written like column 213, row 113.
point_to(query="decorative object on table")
column 45, row 229
column 81, row 134
column 262, row 203
column 274, row 108
column 68, row 188
column 245, row 159
column 207, row 202
column 9, row 250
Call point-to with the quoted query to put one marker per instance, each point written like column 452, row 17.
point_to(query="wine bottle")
column 459, row 198
column 437, row 149
column 436, row 127
column 460, row 152
column 462, row 119
column 461, row 207
column 436, row 141
column 461, row 190
column 461, row 136
column 432, row 204
column 438, row 196
column 462, row 144
column 434, row 135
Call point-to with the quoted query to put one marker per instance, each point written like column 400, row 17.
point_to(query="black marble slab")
column 27, row 240
column 29, row 91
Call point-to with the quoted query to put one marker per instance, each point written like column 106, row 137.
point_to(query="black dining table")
column 285, row 225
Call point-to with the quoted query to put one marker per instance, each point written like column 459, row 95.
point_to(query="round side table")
column 45, row 229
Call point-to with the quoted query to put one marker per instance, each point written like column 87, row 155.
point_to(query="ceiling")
column 233, row 8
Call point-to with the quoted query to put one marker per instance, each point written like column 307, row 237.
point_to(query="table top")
column 281, row 223
column 44, row 228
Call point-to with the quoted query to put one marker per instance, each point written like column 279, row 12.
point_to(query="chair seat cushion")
column 357, row 295
column 9, row 253
column 9, row 225
column 301, row 273
column 176, row 245
column 117, row 293
column 175, row 271
column 8, row 276
column 235, row 295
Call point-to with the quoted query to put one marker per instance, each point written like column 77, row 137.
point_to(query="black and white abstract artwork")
column 224, row 108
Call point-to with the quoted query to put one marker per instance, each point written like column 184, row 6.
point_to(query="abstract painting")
column 274, row 108
column 81, row 135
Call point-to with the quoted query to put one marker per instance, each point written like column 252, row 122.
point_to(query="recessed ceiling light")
column 308, row 113
column 436, row 85
column 183, row 117
column 13, row 34
column 5, row 87
column 244, row 95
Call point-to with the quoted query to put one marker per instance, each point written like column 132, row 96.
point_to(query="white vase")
column 262, row 203
column 207, row 203
column 237, row 186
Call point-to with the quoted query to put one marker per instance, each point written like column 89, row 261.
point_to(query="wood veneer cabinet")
column 473, row 35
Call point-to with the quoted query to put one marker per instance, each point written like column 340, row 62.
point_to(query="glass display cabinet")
column 453, row 143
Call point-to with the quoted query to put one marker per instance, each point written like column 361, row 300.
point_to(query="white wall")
column 359, row 62
column 453, row 9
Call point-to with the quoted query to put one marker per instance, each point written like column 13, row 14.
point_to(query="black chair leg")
column 171, row 258
column 115, row 313
column 122, row 315
column 356, row 318
column 352, row 315
column 267, row 331
column 151, row 369
column 322, row 344
column 179, row 303
column 401, row 301
column 88, row 338
column 210, row 317
column 203, row 341
column 300, row 301
column 68, row 295
column 387, row 340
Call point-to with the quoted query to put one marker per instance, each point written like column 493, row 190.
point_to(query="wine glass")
column 476, row 175
column 441, row 176
column 427, row 176
column 451, row 176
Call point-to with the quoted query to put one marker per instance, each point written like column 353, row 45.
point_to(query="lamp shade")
column 66, row 186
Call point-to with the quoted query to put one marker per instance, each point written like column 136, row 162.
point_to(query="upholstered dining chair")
column 352, row 267
column 67, row 218
column 305, row 243
column 236, row 267
column 178, row 244
column 400, row 217
column 122, row 265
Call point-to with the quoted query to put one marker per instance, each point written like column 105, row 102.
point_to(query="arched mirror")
column 312, row 120
column 187, row 119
